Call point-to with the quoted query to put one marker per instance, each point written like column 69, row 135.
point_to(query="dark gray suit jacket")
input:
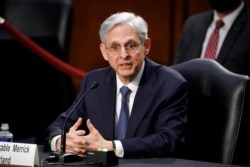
column 235, row 51
column 158, row 116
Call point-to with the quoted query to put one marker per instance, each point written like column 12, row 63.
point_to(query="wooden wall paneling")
column 197, row 6
column 178, row 17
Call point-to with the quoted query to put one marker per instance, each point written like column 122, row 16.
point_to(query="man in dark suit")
column 233, row 50
column 157, row 101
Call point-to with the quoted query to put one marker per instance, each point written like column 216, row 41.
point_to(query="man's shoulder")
column 100, row 73
column 200, row 16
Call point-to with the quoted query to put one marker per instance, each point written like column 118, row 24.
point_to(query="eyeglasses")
column 130, row 48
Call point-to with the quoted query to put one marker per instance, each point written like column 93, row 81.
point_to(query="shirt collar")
column 133, row 85
column 229, row 19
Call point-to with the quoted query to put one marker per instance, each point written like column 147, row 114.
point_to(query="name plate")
column 18, row 154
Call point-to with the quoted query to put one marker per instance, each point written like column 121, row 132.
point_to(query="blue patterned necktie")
column 124, row 114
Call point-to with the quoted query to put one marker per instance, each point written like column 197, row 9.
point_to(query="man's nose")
column 123, row 52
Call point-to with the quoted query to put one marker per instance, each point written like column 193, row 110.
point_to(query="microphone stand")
column 63, row 156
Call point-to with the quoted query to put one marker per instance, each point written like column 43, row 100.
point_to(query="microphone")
column 62, row 156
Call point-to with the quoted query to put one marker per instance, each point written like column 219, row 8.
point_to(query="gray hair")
column 135, row 21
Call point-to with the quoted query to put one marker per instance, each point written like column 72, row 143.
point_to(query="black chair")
column 32, row 91
column 218, row 113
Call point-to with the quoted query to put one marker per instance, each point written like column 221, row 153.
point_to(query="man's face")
column 224, row 5
column 125, row 52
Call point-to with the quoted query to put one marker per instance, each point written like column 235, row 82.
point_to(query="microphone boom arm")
column 64, row 157
column 63, row 135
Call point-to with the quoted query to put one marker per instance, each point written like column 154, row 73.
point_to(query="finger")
column 90, row 126
column 80, row 132
column 76, row 125
column 76, row 149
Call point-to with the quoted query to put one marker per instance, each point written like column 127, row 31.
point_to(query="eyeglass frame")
column 126, row 46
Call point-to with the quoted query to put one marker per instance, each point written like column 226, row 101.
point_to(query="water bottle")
column 5, row 134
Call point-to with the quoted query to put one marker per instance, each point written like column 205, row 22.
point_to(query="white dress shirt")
column 133, row 86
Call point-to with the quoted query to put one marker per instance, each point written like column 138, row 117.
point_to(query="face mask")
column 224, row 5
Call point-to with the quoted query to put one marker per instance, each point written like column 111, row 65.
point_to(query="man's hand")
column 95, row 140
column 75, row 142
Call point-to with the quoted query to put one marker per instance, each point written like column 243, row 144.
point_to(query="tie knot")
column 124, row 91
column 219, row 24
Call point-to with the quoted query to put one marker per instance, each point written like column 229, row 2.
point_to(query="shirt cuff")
column 53, row 143
column 119, row 149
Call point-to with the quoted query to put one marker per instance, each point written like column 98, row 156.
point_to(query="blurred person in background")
column 233, row 50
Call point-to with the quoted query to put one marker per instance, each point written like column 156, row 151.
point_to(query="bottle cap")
column 4, row 126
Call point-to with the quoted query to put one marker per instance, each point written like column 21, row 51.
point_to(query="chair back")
column 218, row 112
column 41, row 19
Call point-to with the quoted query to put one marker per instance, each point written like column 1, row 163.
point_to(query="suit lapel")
column 143, row 98
column 107, row 98
column 199, row 34
column 197, row 47
column 232, row 35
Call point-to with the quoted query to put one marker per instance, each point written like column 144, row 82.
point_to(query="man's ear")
column 103, row 51
column 147, row 45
